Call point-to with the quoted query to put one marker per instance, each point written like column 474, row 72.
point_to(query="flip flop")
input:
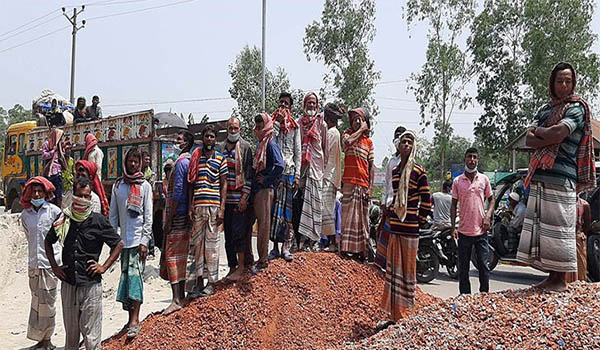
column 287, row 256
column 133, row 331
column 274, row 254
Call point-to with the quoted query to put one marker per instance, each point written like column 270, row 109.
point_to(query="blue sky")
column 184, row 52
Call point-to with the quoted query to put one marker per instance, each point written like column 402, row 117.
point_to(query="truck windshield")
column 10, row 148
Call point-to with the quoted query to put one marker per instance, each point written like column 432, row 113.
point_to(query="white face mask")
column 310, row 112
column 233, row 138
column 470, row 171
column 176, row 148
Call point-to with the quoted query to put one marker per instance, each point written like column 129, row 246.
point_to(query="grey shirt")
column 290, row 145
column 441, row 207
column 135, row 230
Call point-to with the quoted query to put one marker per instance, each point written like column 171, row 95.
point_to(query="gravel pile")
column 319, row 301
column 521, row 319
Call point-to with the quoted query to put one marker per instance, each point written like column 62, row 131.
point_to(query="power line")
column 35, row 39
column 112, row 2
column 140, row 10
column 28, row 29
column 167, row 102
column 414, row 122
column 28, row 23
column 416, row 110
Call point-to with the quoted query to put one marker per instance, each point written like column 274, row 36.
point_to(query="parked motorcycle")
column 436, row 247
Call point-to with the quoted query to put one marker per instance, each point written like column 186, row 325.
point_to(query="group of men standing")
column 288, row 185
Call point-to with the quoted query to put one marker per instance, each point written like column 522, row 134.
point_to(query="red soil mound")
column 318, row 301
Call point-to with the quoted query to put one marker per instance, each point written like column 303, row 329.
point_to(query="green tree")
column 439, row 86
column 340, row 40
column 245, row 75
column 495, row 43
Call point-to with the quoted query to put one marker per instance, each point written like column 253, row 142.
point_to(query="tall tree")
column 495, row 43
column 439, row 86
column 559, row 31
column 340, row 40
column 245, row 75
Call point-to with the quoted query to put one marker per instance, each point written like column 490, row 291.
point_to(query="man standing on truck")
column 54, row 162
column 93, row 153
column 208, row 177
column 131, row 210
column 37, row 218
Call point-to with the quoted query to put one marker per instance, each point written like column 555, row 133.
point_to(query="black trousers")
column 236, row 228
column 465, row 246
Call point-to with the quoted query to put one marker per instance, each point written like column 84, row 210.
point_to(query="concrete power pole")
column 73, row 21
column 264, row 28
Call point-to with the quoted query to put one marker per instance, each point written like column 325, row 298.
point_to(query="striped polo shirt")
column 356, row 161
column 418, row 206
column 207, row 189
column 565, row 165
column 234, row 195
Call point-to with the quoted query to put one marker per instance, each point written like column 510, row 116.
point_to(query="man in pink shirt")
column 471, row 189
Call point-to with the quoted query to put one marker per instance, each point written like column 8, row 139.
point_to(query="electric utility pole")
column 264, row 29
column 73, row 21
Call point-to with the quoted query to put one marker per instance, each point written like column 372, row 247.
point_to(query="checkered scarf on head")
column 545, row 157
column 49, row 188
column 263, row 136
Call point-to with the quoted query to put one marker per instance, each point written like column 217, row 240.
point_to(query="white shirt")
column 135, row 230
column 388, row 191
column 96, row 156
column 36, row 225
column 291, row 148
column 96, row 206
column 519, row 216
column 333, row 168
column 441, row 207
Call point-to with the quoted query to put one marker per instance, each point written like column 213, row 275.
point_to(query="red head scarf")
column 38, row 180
column 96, row 183
column 263, row 136
column 90, row 143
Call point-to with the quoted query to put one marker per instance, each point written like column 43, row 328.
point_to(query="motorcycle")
column 436, row 247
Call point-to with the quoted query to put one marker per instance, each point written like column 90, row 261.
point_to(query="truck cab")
column 14, row 165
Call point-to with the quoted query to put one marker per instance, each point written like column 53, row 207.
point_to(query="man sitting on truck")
column 80, row 114
column 94, row 112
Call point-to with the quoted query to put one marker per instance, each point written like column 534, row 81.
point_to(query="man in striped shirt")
column 238, row 154
column 208, row 177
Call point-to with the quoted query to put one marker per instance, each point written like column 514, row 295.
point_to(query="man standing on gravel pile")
column 410, row 206
column 562, row 166
column 37, row 218
column 471, row 189
column 131, row 211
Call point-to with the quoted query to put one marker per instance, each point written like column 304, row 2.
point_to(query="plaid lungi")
column 311, row 217
column 400, row 276
column 329, row 193
column 131, row 284
column 548, row 236
column 177, row 246
column 42, row 313
column 205, row 238
column 281, row 222
column 382, row 245
column 82, row 315
column 355, row 219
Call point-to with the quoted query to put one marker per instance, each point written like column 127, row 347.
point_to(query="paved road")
column 501, row 278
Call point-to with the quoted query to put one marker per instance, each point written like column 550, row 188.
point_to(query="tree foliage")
column 14, row 115
column 246, row 78
column 439, row 87
column 515, row 45
column 340, row 40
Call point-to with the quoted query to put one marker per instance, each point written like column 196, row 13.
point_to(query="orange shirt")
column 356, row 161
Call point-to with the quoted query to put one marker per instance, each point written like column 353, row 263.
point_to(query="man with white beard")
column 313, row 131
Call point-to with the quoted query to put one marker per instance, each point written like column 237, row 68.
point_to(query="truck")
column 22, row 156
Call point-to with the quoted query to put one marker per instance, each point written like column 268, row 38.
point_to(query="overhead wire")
column 28, row 29
column 28, row 23
column 204, row 99
column 139, row 10
column 35, row 39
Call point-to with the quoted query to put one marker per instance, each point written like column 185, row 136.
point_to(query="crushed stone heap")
column 319, row 301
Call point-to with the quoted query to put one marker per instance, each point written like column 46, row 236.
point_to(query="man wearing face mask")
column 82, row 233
column 314, row 157
column 471, row 189
column 208, row 177
column 238, row 154
column 177, row 223
column 131, row 211
column 37, row 218
column 286, row 135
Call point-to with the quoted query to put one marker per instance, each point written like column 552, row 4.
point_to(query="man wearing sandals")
column 131, row 211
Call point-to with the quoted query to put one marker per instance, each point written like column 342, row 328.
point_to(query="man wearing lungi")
column 313, row 131
column 37, row 218
column 131, row 211
column 268, row 165
column 411, row 204
column 561, row 167
column 470, row 190
column 332, row 176
column 238, row 154
column 176, row 233
column 208, row 177
column 82, row 233
column 359, row 172
column 286, row 135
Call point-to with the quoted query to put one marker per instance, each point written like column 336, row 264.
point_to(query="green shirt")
column 67, row 175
